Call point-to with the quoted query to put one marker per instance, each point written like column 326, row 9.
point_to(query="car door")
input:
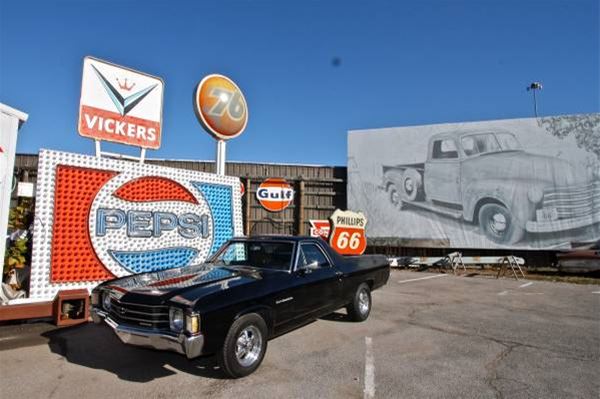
column 442, row 172
column 321, row 281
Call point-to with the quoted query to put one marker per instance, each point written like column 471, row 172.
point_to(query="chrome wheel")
column 248, row 346
column 498, row 224
column 394, row 196
column 409, row 186
column 363, row 301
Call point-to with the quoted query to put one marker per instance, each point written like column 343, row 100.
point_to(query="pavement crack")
column 492, row 368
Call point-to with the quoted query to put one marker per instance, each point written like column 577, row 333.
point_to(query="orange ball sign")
column 275, row 194
column 221, row 107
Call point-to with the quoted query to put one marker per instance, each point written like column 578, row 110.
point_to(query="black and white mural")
column 522, row 183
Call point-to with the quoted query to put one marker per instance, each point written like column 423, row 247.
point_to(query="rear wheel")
column 360, row 307
column 499, row 225
column 395, row 196
column 411, row 185
column 245, row 346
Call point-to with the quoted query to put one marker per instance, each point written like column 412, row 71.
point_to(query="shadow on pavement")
column 337, row 316
column 97, row 347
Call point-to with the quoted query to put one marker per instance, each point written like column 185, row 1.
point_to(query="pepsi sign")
column 101, row 218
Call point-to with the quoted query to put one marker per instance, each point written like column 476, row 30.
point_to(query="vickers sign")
column 101, row 218
column 119, row 104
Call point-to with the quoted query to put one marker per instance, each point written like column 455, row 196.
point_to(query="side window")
column 310, row 253
column 444, row 149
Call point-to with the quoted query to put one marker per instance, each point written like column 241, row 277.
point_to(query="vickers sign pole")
column 222, row 110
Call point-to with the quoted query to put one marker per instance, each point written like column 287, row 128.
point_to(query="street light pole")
column 534, row 86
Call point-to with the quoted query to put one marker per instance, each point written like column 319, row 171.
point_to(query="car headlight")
column 535, row 195
column 176, row 319
column 192, row 323
column 106, row 300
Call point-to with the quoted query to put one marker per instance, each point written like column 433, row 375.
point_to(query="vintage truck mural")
column 485, row 177
column 480, row 184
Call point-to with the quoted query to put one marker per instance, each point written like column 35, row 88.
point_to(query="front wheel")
column 499, row 225
column 245, row 346
column 360, row 307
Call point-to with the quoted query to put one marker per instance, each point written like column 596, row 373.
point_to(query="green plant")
column 18, row 251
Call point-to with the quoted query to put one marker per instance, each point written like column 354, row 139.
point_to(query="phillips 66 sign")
column 99, row 219
column 347, row 234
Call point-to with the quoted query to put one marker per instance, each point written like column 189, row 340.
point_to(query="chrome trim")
column 562, row 224
column 190, row 346
column 284, row 300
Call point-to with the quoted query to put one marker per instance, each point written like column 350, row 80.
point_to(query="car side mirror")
column 312, row 265
column 306, row 269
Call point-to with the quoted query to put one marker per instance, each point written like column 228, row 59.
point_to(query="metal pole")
column 534, row 104
column 301, row 208
column 248, row 207
column 221, row 154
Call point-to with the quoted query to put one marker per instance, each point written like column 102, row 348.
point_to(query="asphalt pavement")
column 428, row 336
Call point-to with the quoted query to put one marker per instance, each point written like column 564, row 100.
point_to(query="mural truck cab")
column 486, row 178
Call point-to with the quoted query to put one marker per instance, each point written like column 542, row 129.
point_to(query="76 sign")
column 347, row 235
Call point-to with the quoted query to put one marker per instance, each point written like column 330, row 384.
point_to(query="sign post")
column 222, row 111
column 221, row 155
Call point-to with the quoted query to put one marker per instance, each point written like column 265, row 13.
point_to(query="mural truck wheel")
column 395, row 197
column 412, row 182
column 498, row 224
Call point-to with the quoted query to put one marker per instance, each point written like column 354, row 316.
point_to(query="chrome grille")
column 148, row 316
column 573, row 201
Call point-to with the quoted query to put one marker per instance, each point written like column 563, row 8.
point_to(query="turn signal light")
column 192, row 324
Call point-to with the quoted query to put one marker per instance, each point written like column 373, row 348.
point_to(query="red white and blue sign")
column 102, row 218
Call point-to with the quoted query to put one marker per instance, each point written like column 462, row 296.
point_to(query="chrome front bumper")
column 563, row 224
column 181, row 343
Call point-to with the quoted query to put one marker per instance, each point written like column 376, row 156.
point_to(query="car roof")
column 276, row 237
column 467, row 132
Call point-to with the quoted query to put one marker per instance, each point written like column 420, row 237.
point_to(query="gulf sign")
column 275, row 194
column 100, row 218
column 220, row 107
column 120, row 105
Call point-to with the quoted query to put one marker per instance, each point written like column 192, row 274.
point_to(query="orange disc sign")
column 275, row 194
column 221, row 107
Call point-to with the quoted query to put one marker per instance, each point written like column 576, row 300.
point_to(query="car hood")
column 184, row 285
column 520, row 165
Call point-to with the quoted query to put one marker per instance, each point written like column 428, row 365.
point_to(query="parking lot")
column 429, row 335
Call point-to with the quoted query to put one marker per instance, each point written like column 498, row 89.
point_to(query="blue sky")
column 398, row 63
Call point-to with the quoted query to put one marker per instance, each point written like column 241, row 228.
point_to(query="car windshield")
column 260, row 254
column 508, row 142
column 476, row 144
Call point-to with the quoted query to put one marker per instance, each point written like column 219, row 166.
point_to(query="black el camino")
column 251, row 290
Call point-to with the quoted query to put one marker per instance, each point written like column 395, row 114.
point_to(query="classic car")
column 486, row 178
column 251, row 290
